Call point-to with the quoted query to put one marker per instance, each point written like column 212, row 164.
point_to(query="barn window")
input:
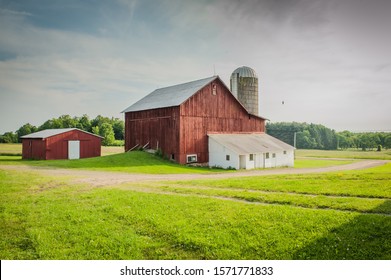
column 267, row 155
column 191, row 158
column 227, row 157
column 214, row 89
column 251, row 157
column 273, row 155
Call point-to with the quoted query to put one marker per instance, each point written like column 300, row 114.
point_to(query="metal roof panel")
column 250, row 143
column 51, row 132
column 169, row 96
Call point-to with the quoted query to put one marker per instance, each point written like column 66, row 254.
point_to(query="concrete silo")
column 244, row 86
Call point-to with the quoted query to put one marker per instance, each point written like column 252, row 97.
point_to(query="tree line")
column 317, row 136
column 112, row 129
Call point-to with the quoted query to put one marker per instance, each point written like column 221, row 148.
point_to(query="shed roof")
column 249, row 143
column 51, row 132
column 169, row 96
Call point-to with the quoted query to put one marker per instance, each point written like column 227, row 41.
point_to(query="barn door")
column 74, row 149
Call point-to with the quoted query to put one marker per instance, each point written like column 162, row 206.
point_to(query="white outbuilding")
column 248, row 151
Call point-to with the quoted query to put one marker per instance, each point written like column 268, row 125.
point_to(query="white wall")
column 280, row 160
column 217, row 156
column 218, row 153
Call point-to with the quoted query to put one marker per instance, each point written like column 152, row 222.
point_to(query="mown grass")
column 317, row 163
column 351, row 153
column 132, row 162
column 10, row 149
column 51, row 218
column 369, row 183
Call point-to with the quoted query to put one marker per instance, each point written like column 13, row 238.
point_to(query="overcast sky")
column 328, row 60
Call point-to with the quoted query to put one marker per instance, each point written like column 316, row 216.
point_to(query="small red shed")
column 65, row 143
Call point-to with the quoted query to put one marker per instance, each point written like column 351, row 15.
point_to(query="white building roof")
column 169, row 96
column 250, row 143
column 51, row 132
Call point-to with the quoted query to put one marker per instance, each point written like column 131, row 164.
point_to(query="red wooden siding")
column 56, row 147
column 182, row 130
column 33, row 148
column 158, row 127
column 207, row 112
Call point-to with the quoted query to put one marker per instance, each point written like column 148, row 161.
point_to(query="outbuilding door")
column 242, row 162
column 74, row 149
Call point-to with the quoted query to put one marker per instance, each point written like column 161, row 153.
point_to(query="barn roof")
column 169, row 96
column 51, row 132
column 250, row 143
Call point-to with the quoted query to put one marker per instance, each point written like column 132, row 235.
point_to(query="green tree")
column 119, row 129
column 67, row 121
column 106, row 131
column 84, row 123
column 95, row 130
column 9, row 137
column 387, row 141
column 25, row 129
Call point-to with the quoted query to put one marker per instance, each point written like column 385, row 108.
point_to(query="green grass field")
column 342, row 215
column 351, row 153
column 114, row 159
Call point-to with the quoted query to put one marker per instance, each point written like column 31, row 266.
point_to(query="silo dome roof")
column 245, row 71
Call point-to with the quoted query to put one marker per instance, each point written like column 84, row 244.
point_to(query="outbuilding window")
column 284, row 152
column 227, row 157
column 191, row 158
column 267, row 155
column 273, row 155
column 251, row 157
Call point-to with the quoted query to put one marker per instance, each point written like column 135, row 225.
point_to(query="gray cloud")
column 314, row 55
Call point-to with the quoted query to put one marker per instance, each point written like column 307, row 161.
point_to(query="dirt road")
column 105, row 178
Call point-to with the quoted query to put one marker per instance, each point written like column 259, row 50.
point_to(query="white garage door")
column 74, row 149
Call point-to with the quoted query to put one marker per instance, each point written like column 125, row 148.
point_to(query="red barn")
column 177, row 119
column 66, row 143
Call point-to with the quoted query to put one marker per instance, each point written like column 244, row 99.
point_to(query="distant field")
column 351, row 153
column 10, row 149
column 319, row 216
column 318, row 162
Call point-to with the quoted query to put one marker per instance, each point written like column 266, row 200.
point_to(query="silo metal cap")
column 245, row 71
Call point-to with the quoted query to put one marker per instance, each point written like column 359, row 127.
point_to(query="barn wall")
column 212, row 109
column 33, row 148
column 158, row 127
column 57, row 145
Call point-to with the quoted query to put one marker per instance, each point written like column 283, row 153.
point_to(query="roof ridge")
column 169, row 96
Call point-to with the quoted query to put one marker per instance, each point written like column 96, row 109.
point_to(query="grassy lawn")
column 114, row 159
column 317, row 163
column 351, row 153
column 324, row 216
column 133, row 162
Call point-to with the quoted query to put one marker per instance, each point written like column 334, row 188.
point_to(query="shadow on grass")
column 366, row 237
